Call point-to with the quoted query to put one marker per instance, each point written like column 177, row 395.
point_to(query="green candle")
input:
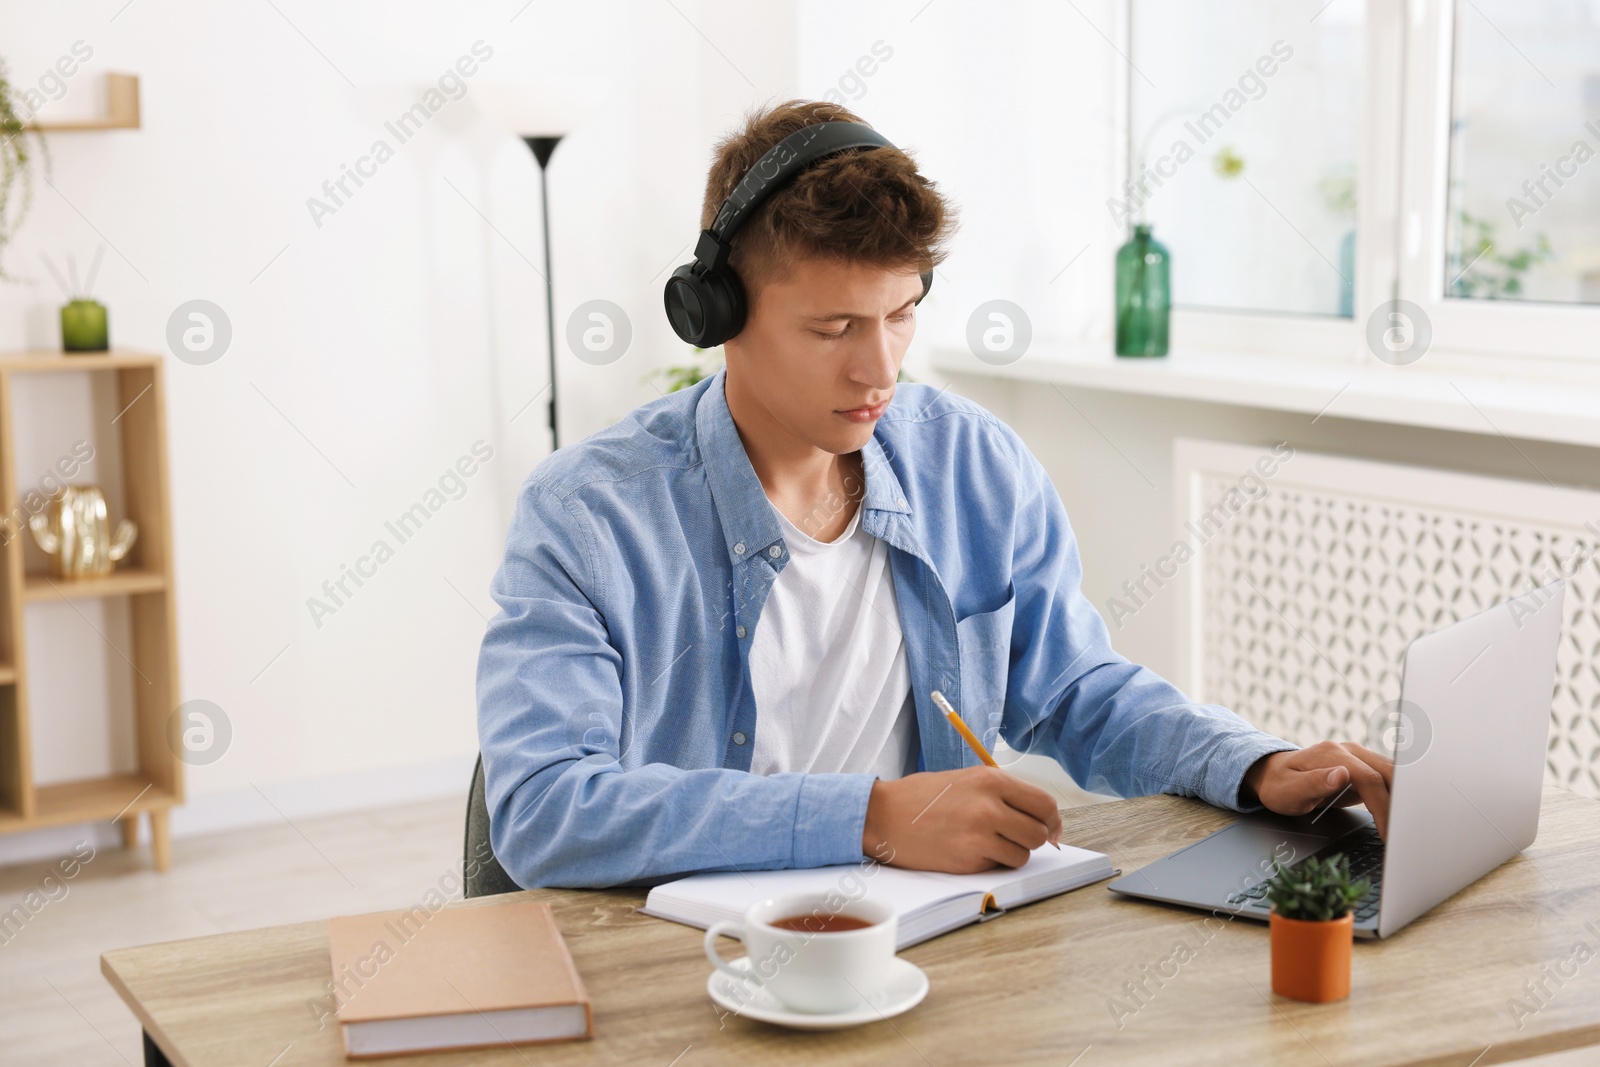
column 83, row 326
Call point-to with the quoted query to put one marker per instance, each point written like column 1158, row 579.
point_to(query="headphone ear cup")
column 684, row 298
column 705, row 308
column 726, row 307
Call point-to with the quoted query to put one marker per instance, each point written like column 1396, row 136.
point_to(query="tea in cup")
column 810, row 951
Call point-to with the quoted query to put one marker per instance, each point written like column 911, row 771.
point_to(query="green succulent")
column 1315, row 890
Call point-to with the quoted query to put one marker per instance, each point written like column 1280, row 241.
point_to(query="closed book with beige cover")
column 460, row 977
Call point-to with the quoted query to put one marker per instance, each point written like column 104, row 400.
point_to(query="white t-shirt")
column 828, row 662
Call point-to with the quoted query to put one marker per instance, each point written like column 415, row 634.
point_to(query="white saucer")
column 904, row 990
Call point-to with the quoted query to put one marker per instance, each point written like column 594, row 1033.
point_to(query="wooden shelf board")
column 44, row 359
column 122, row 109
column 90, row 800
column 44, row 587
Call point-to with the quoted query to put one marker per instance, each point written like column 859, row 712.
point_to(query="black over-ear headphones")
column 705, row 300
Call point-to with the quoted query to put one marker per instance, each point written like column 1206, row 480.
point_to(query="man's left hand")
column 1327, row 774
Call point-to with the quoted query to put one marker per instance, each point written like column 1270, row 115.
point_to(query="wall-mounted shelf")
column 122, row 109
column 145, row 579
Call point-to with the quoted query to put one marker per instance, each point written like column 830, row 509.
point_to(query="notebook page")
column 1047, row 871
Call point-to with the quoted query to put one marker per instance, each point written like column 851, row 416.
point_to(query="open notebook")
column 928, row 903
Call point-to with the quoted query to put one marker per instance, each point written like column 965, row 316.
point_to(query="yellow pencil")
column 968, row 736
column 963, row 729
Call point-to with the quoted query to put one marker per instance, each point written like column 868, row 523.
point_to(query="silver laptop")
column 1468, row 738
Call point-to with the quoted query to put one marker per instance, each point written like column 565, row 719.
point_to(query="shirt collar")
column 749, row 521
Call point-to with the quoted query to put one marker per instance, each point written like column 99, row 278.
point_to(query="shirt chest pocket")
column 984, row 643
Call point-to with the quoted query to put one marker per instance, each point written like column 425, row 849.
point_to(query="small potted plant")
column 1313, row 927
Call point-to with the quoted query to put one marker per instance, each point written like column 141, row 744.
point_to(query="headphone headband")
column 782, row 161
column 704, row 299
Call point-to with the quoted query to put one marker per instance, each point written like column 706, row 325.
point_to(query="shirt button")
column 738, row 737
column 775, row 551
column 738, row 549
column 740, row 631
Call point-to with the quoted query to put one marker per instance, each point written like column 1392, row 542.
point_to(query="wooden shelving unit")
column 144, row 577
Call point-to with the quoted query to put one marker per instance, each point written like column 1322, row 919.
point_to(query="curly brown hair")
column 863, row 205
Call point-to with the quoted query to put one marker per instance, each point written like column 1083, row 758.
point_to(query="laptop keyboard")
column 1365, row 850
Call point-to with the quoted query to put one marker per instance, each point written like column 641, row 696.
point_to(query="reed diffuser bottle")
column 83, row 319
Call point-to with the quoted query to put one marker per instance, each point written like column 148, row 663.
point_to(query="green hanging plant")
column 1315, row 890
column 16, row 165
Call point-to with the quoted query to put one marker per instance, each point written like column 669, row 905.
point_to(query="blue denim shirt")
column 615, row 709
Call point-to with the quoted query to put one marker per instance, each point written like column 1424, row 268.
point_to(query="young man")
column 722, row 617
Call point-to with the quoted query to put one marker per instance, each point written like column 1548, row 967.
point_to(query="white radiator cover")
column 1306, row 585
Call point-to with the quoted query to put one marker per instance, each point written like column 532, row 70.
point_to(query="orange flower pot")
column 1311, row 960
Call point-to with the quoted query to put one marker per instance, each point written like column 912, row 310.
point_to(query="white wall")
column 368, row 354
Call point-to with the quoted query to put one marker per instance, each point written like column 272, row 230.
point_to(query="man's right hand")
column 960, row 822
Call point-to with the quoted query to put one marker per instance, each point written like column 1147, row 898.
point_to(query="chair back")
column 480, row 870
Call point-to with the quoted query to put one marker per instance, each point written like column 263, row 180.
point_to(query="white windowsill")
column 1562, row 405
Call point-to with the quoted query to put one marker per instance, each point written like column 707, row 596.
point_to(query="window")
column 1523, row 207
column 1245, row 135
column 1445, row 153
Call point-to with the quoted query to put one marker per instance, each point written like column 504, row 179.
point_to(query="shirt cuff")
column 1225, row 777
column 830, row 818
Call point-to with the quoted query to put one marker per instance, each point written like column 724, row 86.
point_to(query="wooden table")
column 1042, row 984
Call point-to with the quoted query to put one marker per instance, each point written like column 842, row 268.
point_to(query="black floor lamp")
column 541, row 112
column 543, row 146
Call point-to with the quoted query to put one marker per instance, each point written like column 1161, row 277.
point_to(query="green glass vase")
column 1144, row 295
column 83, row 326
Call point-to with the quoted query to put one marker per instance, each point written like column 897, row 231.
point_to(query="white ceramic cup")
column 811, row 972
